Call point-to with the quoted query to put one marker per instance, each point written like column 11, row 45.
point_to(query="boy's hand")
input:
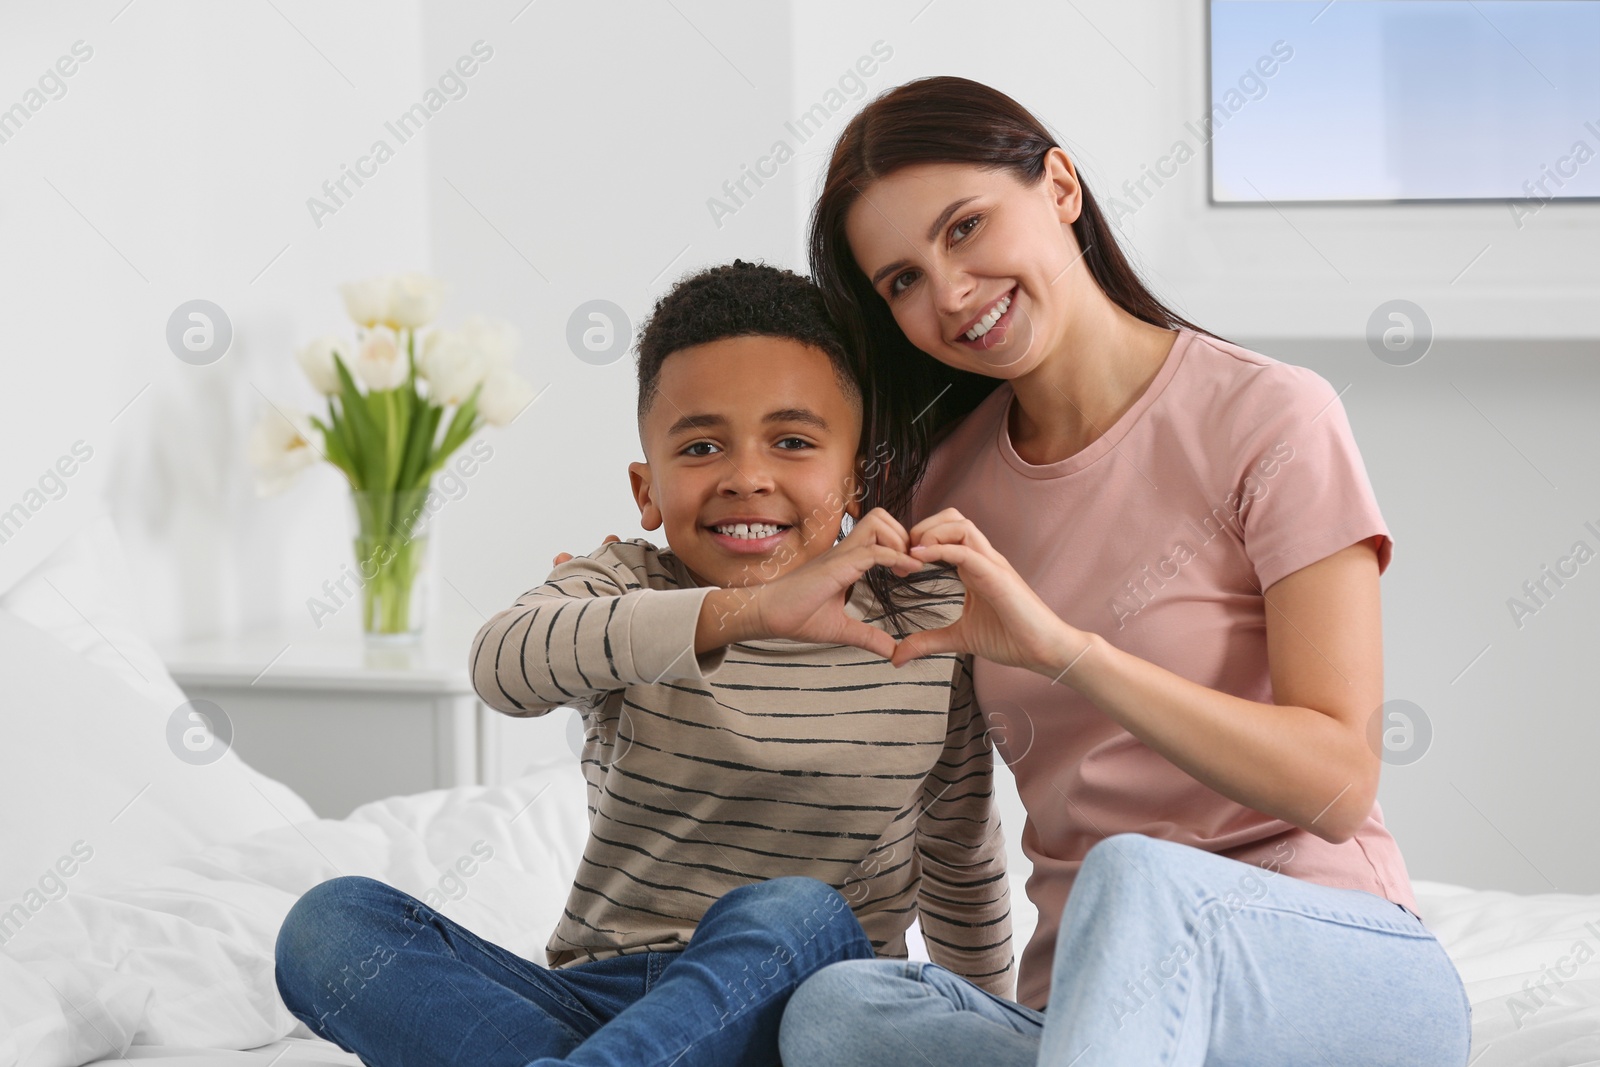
column 1002, row 619
column 562, row 557
column 807, row 604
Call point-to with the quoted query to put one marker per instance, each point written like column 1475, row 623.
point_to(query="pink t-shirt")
column 1231, row 471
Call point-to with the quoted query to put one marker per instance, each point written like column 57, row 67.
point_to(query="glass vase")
column 392, row 558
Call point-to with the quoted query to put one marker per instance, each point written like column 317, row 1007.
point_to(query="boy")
column 767, row 793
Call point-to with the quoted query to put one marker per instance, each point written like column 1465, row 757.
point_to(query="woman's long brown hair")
column 912, row 399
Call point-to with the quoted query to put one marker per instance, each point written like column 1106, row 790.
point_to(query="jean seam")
column 1010, row 1007
column 1461, row 987
column 673, row 1058
column 513, row 962
column 1183, row 1014
column 1420, row 933
column 1413, row 932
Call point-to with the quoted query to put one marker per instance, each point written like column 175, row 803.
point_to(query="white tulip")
column 505, row 394
column 451, row 365
column 316, row 359
column 369, row 302
column 380, row 363
column 495, row 340
column 414, row 300
column 280, row 448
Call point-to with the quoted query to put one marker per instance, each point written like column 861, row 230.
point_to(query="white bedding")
column 1505, row 943
column 289, row 1052
column 141, row 894
column 176, row 963
column 181, row 954
column 160, row 948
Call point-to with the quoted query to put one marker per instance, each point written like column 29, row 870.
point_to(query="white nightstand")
column 343, row 722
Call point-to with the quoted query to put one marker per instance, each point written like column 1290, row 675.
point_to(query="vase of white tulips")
column 396, row 412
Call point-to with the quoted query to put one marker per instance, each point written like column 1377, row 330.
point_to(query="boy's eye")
column 689, row 450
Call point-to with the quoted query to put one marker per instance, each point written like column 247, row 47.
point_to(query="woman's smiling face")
column 953, row 248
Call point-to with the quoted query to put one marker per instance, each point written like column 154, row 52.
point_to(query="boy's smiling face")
column 753, row 429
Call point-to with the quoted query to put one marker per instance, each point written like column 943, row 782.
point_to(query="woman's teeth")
column 748, row 533
column 989, row 320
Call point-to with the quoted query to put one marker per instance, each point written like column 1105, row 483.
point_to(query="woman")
column 1171, row 553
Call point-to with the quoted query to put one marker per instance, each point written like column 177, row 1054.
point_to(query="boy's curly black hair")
column 735, row 300
column 741, row 299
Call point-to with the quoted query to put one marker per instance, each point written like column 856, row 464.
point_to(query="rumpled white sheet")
column 1505, row 945
column 181, row 954
column 179, row 957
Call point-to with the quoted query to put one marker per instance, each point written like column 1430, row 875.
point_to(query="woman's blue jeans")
column 1168, row 956
column 379, row 973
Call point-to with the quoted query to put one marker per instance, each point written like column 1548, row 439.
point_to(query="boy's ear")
column 643, row 495
column 857, row 489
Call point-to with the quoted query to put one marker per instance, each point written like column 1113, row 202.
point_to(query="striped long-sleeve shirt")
column 755, row 760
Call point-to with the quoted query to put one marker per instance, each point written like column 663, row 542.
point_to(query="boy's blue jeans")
column 379, row 973
column 1168, row 956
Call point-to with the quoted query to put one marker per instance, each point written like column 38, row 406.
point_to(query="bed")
column 151, row 889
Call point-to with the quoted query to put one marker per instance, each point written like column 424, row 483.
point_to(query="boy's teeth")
column 748, row 532
column 988, row 321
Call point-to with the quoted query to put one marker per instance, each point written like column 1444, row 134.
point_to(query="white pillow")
column 88, row 706
column 81, row 596
column 91, row 785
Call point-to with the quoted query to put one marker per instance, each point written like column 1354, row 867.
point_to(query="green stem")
column 391, row 543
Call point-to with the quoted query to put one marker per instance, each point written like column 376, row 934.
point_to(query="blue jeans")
column 1167, row 955
column 379, row 973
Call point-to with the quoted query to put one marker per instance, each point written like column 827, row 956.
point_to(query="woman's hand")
column 807, row 604
column 1002, row 618
column 562, row 557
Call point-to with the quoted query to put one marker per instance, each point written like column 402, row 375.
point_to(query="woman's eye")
column 959, row 231
column 894, row 285
column 801, row 440
column 963, row 229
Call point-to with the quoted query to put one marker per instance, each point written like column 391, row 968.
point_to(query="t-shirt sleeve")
column 599, row 623
column 1303, row 486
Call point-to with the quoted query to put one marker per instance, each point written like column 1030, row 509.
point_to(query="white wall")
column 184, row 151
column 580, row 170
column 1482, row 459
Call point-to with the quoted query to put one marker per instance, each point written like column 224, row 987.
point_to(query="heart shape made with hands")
column 1002, row 618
